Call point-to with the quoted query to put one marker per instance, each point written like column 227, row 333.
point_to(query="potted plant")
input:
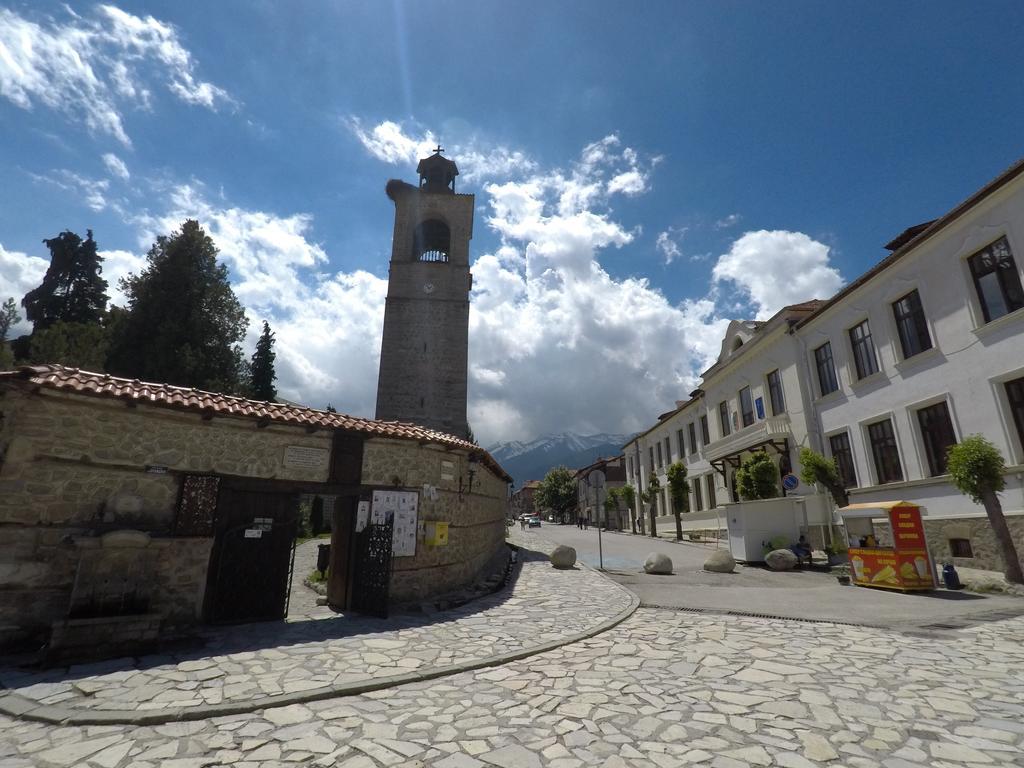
column 836, row 554
column 842, row 574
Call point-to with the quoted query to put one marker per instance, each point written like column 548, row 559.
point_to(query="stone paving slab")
column 663, row 689
column 258, row 665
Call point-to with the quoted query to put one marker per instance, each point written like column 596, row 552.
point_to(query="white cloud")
column 668, row 246
column 89, row 68
column 729, row 221
column 264, row 251
column 19, row 274
column 116, row 166
column 778, row 268
column 91, row 192
column 390, row 144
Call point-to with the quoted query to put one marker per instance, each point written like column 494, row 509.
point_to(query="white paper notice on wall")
column 305, row 457
column 447, row 470
column 401, row 507
column 362, row 515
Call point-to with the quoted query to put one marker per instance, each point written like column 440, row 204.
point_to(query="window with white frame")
column 996, row 280
column 692, row 429
column 705, row 434
column 698, row 501
column 711, row 491
column 723, row 417
column 937, row 435
column 842, row 454
column 885, row 452
column 746, row 407
column 775, row 396
column 1015, row 397
column 864, row 357
column 823, row 362
column 911, row 326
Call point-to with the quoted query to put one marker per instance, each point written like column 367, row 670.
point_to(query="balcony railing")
column 759, row 431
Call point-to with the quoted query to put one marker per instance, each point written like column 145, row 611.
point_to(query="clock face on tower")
column 428, row 288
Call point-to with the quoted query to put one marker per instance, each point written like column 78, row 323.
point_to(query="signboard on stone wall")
column 306, row 457
column 401, row 507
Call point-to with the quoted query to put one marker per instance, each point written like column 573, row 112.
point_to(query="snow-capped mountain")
column 532, row 459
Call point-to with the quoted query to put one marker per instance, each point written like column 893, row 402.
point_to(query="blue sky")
column 643, row 172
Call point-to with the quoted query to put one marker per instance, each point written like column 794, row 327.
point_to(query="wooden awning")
column 779, row 444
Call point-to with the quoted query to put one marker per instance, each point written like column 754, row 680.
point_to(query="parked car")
column 533, row 522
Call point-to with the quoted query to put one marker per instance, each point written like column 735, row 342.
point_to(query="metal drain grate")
column 774, row 617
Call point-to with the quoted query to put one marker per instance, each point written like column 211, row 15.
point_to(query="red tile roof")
column 66, row 379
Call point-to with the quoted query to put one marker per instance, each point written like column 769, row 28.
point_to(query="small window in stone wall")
column 961, row 548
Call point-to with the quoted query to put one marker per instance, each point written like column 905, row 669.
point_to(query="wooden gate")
column 251, row 565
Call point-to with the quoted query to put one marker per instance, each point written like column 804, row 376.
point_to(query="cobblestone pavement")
column 258, row 665
column 662, row 689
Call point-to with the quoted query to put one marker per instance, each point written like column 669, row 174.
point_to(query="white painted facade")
column 973, row 355
column 967, row 367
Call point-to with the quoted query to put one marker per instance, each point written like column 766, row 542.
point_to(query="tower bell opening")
column 431, row 241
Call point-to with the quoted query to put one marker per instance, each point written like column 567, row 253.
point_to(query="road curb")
column 20, row 707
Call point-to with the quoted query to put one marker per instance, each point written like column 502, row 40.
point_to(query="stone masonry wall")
column 71, row 463
column 987, row 554
column 476, row 523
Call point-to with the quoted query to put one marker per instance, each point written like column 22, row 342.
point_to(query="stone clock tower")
column 423, row 355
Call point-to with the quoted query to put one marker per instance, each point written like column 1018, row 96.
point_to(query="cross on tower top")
column 438, row 150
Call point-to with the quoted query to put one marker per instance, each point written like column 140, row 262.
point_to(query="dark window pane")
column 843, row 455
column 711, row 491
column 863, row 350
column 651, row 450
column 698, row 502
column 997, row 280
column 1015, row 394
column 911, row 325
column 661, row 460
column 775, row 393
column 961, row 548
column 705, row 435
column 679, row 440
column 692, row 429
column 885, row 452
column 723, row 417
column 668, row 452
column 938, row 436
column 826, row 369
column 746, row 407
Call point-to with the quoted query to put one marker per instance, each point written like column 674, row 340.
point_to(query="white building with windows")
column 923, row 349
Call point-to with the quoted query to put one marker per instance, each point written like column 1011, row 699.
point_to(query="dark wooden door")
column 250, row 568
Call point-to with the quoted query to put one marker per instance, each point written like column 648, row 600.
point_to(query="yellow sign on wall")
column 436, row 534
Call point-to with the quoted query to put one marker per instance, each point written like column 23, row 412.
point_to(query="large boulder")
column 780, row 560
column 720, row 561
column 658, row 563
column 563, row 556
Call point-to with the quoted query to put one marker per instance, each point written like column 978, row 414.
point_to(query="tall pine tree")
column 183, row 323
column 72, row 290
column 262, row 366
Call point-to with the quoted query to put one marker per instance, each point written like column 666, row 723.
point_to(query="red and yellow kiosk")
column 907, row 565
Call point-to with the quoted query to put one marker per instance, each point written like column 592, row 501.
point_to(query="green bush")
column 756, row 478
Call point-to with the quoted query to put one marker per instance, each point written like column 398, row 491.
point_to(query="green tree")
column 977, row 469
column 557, row 492
column 78, row 345
column 184, row 324
column 9, row 317
column 756, row 478
column 262, row 367
column 650, row 497
column 679, row 492
column 628, row 495
column 72, row 290
column 815, row 468
column 611, row 503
